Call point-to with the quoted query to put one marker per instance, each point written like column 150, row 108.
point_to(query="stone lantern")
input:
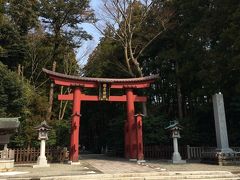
column 175, row 128
column 42, row 129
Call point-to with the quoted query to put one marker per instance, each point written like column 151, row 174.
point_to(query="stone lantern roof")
column 174, row 125
column 9, row 125
column 43, row 126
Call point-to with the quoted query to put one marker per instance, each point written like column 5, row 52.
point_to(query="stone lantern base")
column 41, row 162
column 178, row 162
column 177, row 159
column 221, row 158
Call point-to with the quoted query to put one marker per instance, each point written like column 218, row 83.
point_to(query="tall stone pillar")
column 223, row 155
column 75, row 123
column 220, row 124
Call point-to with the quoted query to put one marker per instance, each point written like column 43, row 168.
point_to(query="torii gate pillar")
column 132, row 136
column 140, row 155
column 75, row 125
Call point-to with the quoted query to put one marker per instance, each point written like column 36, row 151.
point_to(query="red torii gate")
column 133, row 128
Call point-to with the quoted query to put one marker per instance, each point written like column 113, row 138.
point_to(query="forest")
column 194, row 46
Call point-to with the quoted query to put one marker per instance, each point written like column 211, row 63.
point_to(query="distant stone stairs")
column 178, row 175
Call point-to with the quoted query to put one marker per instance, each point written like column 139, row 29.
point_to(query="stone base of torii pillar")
column 74, row 163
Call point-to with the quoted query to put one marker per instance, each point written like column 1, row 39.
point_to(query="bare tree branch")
column 125, row 20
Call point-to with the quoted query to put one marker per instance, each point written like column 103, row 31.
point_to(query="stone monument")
column 42, row 129
column 8, row 126
column 223, row 155
column 175, row 128
column 220, row 124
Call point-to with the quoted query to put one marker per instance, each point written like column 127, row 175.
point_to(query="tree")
column 70, row 67
column 37, row 56
column 12, row 47
column 127, row 19
column 23, row 14
column 17, row 19
column 129, row 22
column 106, row 60
column 18, row 99
column 62, row 20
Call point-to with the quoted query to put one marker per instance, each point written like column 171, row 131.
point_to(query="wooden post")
column 140, row 155
column 75, row 124
column 131, row 125
column 126, row 140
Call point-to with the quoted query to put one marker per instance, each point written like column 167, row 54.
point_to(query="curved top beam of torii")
column 89, row 82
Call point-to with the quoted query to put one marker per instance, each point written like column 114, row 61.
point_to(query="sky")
column 88, row 46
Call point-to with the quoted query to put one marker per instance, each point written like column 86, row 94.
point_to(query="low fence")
column 187, row 152
column 30, row 155
column 162, row 152
column 195, row 153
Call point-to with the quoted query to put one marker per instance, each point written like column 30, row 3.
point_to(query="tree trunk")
column 63, row 106
column 144, row 109
column 140, row 74
column 49, row 111
column 19, row 70
column 179, row 94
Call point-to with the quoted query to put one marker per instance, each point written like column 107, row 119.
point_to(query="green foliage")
column 12, row 96
column 33, row 34
column 23, row 14
column 115, row 134
column 61, row 21
column 12, row 45
column 102, row 125
column 63, row 18
column 18, row 99
column 62, row 133
column 153, row 130
column 112, row 66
